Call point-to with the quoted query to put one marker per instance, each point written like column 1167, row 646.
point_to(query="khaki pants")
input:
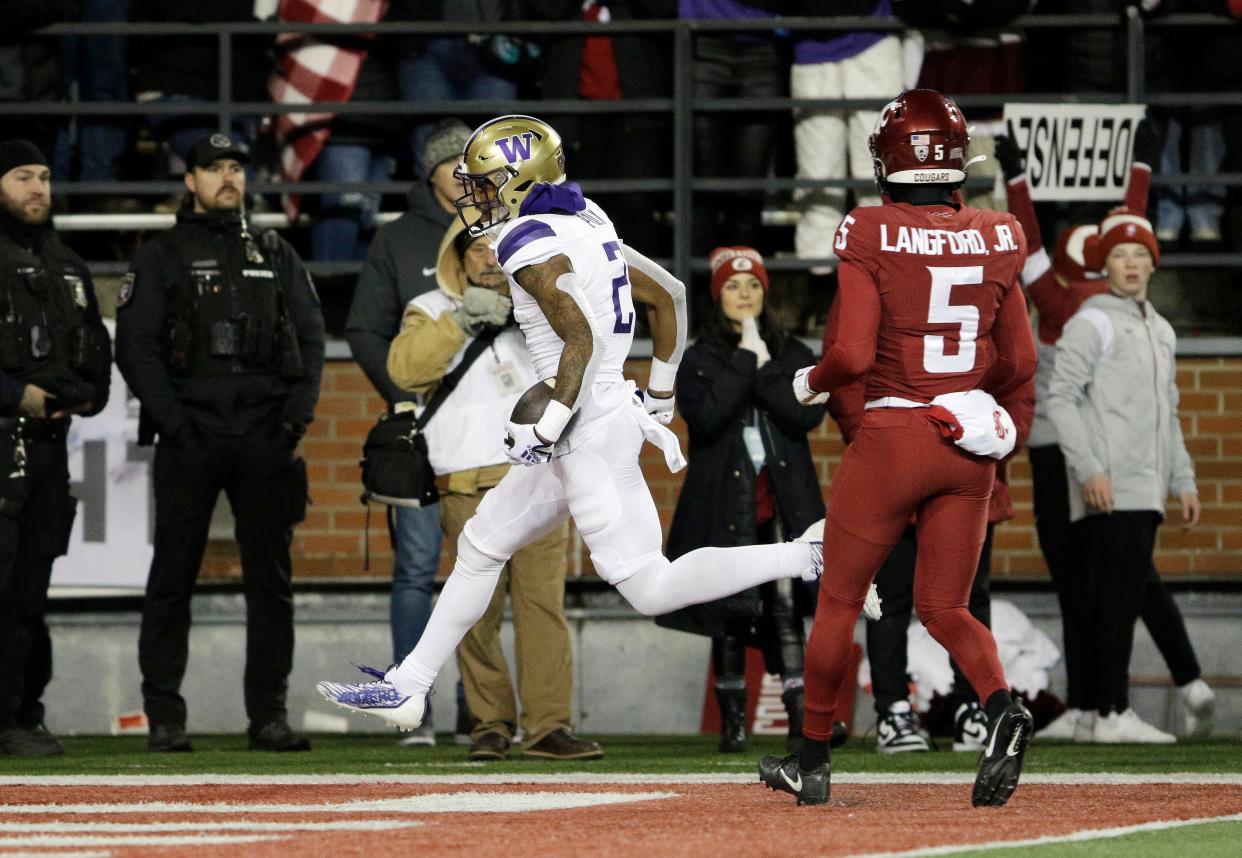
column 535, row 580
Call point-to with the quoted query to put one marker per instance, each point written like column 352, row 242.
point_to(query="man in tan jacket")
column 465, row 449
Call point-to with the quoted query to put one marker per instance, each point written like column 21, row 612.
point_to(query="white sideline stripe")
column 88, row 853
column 457, row 802
column 63, row 827
column 1075, row 837
column 605, row 779
column 50, row 840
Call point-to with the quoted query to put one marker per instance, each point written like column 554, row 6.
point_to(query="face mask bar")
column 482, row 197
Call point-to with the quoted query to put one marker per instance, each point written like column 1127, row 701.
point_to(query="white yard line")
column 53, row 840
column 455, row 802
column 87, row 853
column 63, row 827
column 1075, row 837
column 600, row 779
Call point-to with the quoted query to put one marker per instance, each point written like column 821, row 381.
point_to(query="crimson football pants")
column 898, row 465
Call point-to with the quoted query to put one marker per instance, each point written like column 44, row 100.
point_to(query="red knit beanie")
column 1067, row 259
column 1122, row 226
column 727, row 261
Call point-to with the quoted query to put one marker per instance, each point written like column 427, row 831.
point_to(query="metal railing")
column 682, row 105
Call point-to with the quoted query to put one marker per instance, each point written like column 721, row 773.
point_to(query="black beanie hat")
column 18, row 153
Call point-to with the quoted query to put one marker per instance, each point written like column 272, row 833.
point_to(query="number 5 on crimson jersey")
column 942, row 274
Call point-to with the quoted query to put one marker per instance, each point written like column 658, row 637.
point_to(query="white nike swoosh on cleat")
column 797, row 786
column 1012, row 750
column 427, row 272
column 992, row 741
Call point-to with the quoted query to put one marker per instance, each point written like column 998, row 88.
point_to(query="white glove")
column 523, row 446
column 751, row 341
column 871, row 604
column 481, row 307
column 659, row 407
column 802, row 388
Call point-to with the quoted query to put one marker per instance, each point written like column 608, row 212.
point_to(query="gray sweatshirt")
column 1113, row 401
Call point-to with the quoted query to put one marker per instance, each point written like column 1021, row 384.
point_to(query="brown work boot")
column 561, row 744
column 490, row 746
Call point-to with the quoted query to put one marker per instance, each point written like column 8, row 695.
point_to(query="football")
column 530, row 405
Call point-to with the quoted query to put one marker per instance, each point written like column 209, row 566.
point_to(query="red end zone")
column 561, row 819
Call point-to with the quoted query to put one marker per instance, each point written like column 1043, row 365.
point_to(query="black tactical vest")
column 227, row 312
column 44, row 329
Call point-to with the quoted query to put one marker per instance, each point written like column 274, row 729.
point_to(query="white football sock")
column 712, row 573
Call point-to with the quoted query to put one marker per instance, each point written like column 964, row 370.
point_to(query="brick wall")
column 329, row 544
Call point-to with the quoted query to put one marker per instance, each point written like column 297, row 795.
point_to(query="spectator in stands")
column 733, row 145
column 1103, row 402
column 1058, row 286
column 55, row 362
column 30, row 67
column 604, row 68
column 460, row 67
column 832, row 144
column 1203, row 59
column 187, row 68
column 399, row 267
column 358, row 148
column 465, row 330
column 97, row 69
column 751, row 481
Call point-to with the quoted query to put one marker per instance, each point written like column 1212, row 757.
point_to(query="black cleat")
column 784, row 774
column 1001, row 762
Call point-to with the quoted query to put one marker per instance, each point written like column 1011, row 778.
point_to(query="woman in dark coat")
column 751, row 481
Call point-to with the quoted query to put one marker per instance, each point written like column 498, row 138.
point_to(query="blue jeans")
column 96, row 67
column 1202, row 205
column 344, row 217
column 416, row 538
column 448, row 69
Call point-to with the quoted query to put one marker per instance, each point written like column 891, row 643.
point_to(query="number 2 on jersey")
column 622, row 302
column 940, row 311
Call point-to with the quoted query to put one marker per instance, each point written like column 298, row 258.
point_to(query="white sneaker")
column 898, row 731
column 1127, row 728
column 1199, row 704
column 1084, row 730
column 814, row 537
column 1064, row 726
column 379, row 698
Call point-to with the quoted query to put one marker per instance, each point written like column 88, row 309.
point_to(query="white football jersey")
column 590, row 241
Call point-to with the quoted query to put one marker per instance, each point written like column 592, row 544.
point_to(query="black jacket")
column 400, row 266
column 719, row 391
column 220, row 404
column 68, row 303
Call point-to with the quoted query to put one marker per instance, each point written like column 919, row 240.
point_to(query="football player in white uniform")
column 574, row 284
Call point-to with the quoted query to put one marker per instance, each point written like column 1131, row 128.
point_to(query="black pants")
column 886, row 638
column 733, row 145
column 31, row 538
column 254, row 475
column 1063, row 548
column 778, row 632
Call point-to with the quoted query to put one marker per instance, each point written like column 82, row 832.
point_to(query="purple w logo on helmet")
column 517, row 147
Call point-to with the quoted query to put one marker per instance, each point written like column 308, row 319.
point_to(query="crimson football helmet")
column 920, row 138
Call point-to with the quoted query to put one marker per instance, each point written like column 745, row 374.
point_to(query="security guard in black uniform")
column 220, row 336
column 55, row 361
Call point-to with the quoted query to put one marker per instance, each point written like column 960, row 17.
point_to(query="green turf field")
column 378, row 753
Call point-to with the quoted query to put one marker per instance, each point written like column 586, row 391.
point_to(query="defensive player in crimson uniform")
column 929, row 303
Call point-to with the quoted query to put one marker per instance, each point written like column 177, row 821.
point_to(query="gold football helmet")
column 504, row 159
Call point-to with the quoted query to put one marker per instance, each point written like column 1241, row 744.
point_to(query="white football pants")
column 832, row 144
column 601, row 486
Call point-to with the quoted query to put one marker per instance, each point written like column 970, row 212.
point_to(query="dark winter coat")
column 400, row 266
column 719, row 392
